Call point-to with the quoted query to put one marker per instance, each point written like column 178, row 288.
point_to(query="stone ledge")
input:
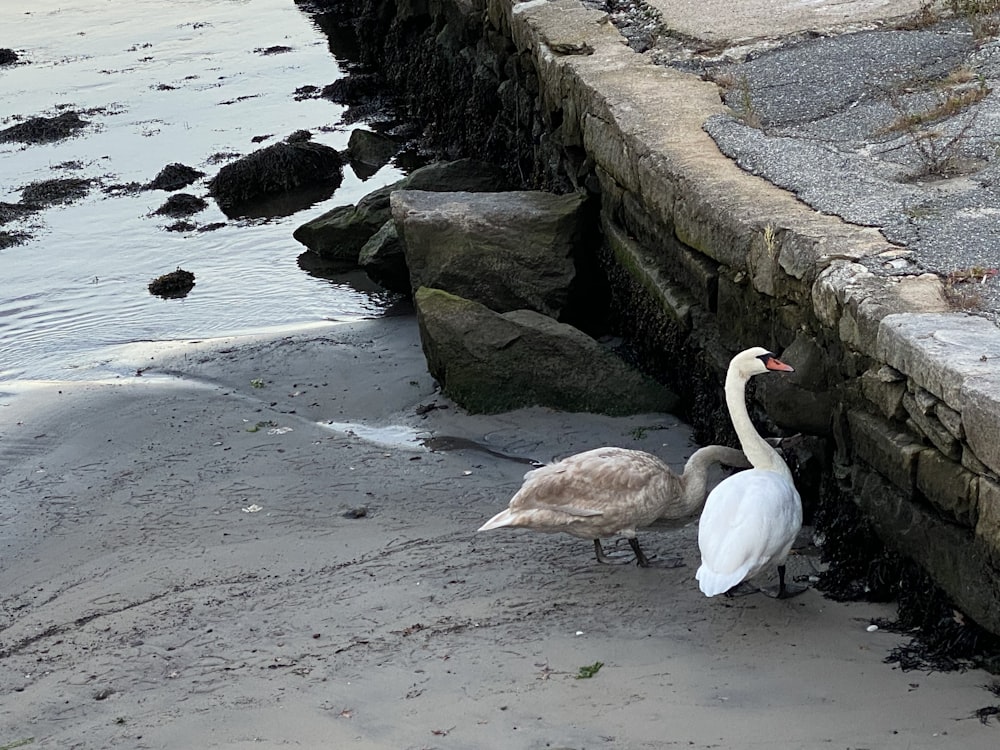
column 939, row 351
column 979, row 406
column 893, row 453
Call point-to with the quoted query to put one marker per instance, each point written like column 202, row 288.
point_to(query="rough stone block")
column 809, row 360
column 923, row 293
column 610, row 150
column 763, row 260
column 886, row 396
column 884, row 448
column 746, row 316
column 809, row 252
column 939, row 351
column 932, row 429
column 795, row 408
column 833, row 286
column 948, row 486
column 971, row 462
column 640, row 264
column 562, row 27
column 696, row 224
column 950, row 419
column 686, row 267
column 988, row 525
column 980, row 409
column 925, row 400
column 890, row 375
column 849, row 331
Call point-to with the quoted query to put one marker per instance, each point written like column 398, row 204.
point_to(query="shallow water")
column 79, row 285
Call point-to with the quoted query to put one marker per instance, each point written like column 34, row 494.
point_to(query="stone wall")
column 901, row 393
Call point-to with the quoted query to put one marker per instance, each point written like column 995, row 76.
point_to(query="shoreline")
column 148, row 604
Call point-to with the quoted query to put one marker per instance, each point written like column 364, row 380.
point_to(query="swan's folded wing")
column 746, row 521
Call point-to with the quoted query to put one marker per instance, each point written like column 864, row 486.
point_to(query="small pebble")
column 872, row 628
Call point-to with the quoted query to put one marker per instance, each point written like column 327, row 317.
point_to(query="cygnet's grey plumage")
column 609, row 491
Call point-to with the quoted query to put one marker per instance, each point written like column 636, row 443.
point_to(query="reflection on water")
column 161, row 82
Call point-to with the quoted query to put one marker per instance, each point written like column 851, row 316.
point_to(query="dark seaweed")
column 44, row 129
column 172, row 285
column 52, row 192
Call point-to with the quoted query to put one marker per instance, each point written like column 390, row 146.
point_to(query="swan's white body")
column 750, row 519
column 611, row 491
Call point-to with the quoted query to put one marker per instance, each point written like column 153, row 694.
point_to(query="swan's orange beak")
column 775, row 364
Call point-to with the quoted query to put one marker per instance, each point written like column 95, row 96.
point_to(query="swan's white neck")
column 758, row 451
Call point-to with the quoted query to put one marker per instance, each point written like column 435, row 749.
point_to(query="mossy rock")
column 490, row 362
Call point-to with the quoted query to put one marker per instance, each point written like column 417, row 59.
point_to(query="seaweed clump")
column 172, row 285
column 13, row 211
column 182, row 204
column 51, row 192
column 943, row 638
column 10, row 239
column 984, row 713
column 44, row 129
column 173, row 177
column 862, row 568
column 283, row 167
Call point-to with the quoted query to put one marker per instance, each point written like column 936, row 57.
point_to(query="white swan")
column 751, row 518
column 608, row 491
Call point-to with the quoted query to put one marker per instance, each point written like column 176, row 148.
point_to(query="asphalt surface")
column 895, row 128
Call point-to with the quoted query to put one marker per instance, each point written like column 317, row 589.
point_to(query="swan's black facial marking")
column 774, row 364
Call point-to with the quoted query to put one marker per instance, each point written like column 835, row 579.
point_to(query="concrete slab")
column 740, row 21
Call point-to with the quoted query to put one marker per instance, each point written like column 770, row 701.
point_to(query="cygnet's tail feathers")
column 503, row 518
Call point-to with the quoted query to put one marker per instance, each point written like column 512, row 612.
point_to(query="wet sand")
column 192, row 558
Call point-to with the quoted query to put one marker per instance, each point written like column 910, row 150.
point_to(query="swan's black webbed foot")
column 743, row 588
column 603, row 557
column 784, row 591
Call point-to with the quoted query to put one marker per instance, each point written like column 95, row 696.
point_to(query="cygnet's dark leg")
column 602, row 557
column 640, row 558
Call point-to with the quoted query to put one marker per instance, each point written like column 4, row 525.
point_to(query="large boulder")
column 508, row 251
column 339, row 234
column 384, row 260
column 490, row 362
column 368, row 152
column 280, row 168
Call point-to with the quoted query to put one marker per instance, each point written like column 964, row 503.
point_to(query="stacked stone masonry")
column 905, row 388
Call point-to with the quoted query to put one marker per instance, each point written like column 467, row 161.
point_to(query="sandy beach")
column 249, row 544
